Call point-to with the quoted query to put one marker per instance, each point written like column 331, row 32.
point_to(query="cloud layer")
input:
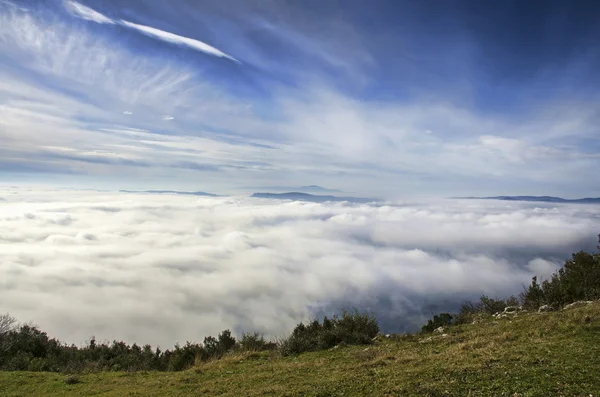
column 168, row 268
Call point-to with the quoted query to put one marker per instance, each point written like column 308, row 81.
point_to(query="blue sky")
column 387, row 98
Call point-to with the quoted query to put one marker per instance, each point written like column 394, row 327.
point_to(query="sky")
column 168, row 268
column 388, row 98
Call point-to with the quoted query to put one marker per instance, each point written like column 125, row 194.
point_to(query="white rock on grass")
column 575, row 304
column 545, row 308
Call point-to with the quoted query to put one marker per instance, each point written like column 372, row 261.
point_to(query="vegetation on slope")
column 478, row 351
column 530, row 354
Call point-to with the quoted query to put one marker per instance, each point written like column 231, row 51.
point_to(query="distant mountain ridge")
column 311, row 189
column 171, row 192
column 298, row 196
column 543, row 199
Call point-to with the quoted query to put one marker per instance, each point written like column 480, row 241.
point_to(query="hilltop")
column 527, row 354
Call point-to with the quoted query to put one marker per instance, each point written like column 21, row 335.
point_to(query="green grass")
column 551, row 354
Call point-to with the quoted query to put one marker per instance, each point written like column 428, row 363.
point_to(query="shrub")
column 7, row 324
column 533, row 296
column 486, row 305
column 254, row 342
column 351, row 328
column 216, row 347
column 71, row 379
column 578, row 279
column 226, row 341
column 441, row 320
column 185, row 357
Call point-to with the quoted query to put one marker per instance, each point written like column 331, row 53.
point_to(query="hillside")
column 530, row 354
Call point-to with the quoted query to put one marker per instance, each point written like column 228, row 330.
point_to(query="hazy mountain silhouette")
column 300, row 189
column 299, row 196
column 171, row 192
column 544, row 199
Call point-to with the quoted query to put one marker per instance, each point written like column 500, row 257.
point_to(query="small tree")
column 533, row 296
column 226, row 341
column 578, row 279
column 441, row 320
column 7, row 323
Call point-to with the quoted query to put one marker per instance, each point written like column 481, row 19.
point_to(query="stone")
column 545, row 308
column 512, row 309
column 575, row 304
column 440, row 330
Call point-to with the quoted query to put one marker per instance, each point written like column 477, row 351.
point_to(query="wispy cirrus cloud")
column 176, row 39
column 68, row 88
column 89, row 14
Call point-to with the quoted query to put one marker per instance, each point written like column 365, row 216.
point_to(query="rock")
column 444, row 335
column 545, row 308
column 440, row 330
column 512, row 309
column 388, row 336
column 575, row 304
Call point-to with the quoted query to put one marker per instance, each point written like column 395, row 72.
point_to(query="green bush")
column 441, row 320
column 486, row 305
column 71, row 379
column 578, row 279
column 352, row 328
column 255, row 342
column 216, row 347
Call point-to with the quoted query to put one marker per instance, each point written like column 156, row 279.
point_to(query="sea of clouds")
column 165, row 268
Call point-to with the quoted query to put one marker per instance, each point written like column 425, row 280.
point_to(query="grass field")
column 550, row 354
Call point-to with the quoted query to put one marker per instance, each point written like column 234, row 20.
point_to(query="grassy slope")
column 532, row 355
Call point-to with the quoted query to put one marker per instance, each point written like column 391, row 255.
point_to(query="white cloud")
column 167, row 268
column 79, row 10
column 176, row 39
column 167, row 117
column 318, row 135
column 89, row 14
column 127, row 112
